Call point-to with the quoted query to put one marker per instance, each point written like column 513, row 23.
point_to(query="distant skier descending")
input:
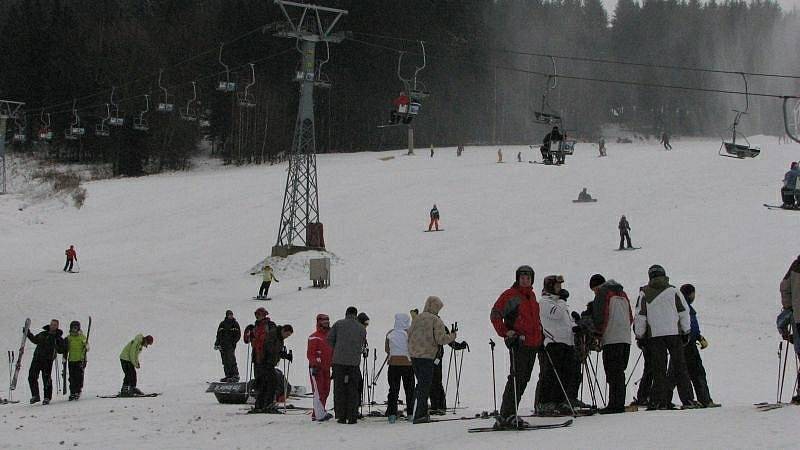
column 268, row 276
column 601, row 146
column 624, row 235
column 72, row 257
column 665, row 141
column 789, row 189
column 434, row 214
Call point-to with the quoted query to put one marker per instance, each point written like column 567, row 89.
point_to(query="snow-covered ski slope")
column 167, row 255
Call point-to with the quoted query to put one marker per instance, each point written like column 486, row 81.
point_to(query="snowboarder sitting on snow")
column 401, row 104
column 319, row 354
column 48, row 344
column 624, row 235
column 272, row 352
column 72, row 256
column 547, row 151
column 129, row 359
column 77, row 347
column 789, row 189
column 268, row 277
column 584, row 196
column 228, row 334
column 434, row 219
column 790, row 300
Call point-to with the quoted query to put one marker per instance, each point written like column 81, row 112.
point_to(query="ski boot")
column 392, row 419
column 135, row 392
column 46, row 401
column 35, row 400
column 125, row 392
column 327, row 417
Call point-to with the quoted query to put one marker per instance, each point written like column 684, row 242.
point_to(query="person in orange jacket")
column 320, row 357
column 72, row 256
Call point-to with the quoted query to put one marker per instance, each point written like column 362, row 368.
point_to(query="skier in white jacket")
column 662, row 317
column 559, row 361
column 399, row 366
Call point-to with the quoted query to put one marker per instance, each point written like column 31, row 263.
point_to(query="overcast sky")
column 787, row 5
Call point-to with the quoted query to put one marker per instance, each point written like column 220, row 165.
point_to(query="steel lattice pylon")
column 300, row 200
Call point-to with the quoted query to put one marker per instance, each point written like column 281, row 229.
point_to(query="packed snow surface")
column 166, row 255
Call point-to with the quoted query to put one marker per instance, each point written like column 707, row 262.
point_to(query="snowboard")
column 18, row 366
column 150, row 395
column 585, row 201
column 624, row 249
column 779, row 207
column 546, row 164
column 262, row 298
column 431, row 231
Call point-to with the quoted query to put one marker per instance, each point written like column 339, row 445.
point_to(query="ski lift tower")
column 300, row 228
column 8, row 110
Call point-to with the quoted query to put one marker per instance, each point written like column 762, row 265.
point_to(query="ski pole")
column 597, row 384
column 778, row 384
column 514, row 374
column 371, row 386
column 458, row 380
column 10, row 372
column 376, row 375
column 641, row 352
column 783, row 372
column 494, row 382
column 447, row 381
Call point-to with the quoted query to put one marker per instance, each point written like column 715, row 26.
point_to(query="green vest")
column 76, row 347
column 131, row 351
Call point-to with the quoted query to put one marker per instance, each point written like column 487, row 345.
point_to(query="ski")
column 454, row 419
column 18, row 366
column 525, row 428
column 779, row 207
column 432, row 231
column 625, row 249
column 63, row 375
column 262, row 298
column 153, row 394
column 765, row 406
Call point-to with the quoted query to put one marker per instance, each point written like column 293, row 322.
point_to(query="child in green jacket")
column 77, row 346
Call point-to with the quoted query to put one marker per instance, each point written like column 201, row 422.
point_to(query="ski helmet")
column 149, row 339
column 596, row 280
column 261, row 310
column 524, row 270
column 75, row 325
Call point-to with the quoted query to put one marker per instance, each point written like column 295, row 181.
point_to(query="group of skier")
column 663, row 322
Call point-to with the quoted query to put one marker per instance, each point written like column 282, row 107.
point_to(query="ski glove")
column 459, row 345
column 702, row 342
column 286, row 356
column 314, row 371
column 513, row 341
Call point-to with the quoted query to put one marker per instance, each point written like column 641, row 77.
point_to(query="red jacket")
column 71, row 255
column 517, row 309
column 320, row 352
column 401, row 100
column 256, row 336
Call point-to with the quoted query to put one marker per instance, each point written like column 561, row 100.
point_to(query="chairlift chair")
column 414, row 88
column 321, row 80
column 115, row 120
column 101, row 129
column 164, row 106
column 75, row 130
column 45, row 132
column 139, row 123
column 225, row 85
column 20, row 137
column 546, row 115
column 190, row 113
column 246, row 99
column 732, row 149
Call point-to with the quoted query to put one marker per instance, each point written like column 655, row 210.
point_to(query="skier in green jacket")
column 129, row 358
column 77, row 346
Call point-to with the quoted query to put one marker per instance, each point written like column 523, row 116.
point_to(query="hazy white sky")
column 785, row 4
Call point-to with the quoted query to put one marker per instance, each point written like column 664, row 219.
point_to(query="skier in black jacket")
column 48, row 344
column 228, row 334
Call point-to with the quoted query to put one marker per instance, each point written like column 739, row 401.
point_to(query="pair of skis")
column 523, row 428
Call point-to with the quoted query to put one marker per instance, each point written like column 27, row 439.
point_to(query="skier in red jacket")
column 72, row 256
column 320, row 356
column 515, row 317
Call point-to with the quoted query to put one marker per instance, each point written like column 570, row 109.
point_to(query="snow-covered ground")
column 166, row 255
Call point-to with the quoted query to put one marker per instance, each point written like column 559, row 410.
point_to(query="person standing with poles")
column 560, row 372
column 320, row 353
column 272, row 352
column 72, row 257
column 228, row 334
column 790, row 300
column 624, row 235
column 515, row 317
column 434, row 219
column 426, row 334
column 77, row 345
column 612, row 319
column 400, row 370
column 49, row 343
column 348, row 339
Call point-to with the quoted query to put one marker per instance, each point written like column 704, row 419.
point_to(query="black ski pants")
column 68, row 265
column 623, row 237
column 438, row 399
column 263, row 291
column 696, row 371
column 267, row 380
column 75, row 377
column 661, row 394
column 44, row 367
column 228, row 355
column 396, row 375
column 646, row 382
column 346, row 395
column 130, row 373
column 615, row 361
column 560, row 365
column 423, row 371
column 523, row 358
